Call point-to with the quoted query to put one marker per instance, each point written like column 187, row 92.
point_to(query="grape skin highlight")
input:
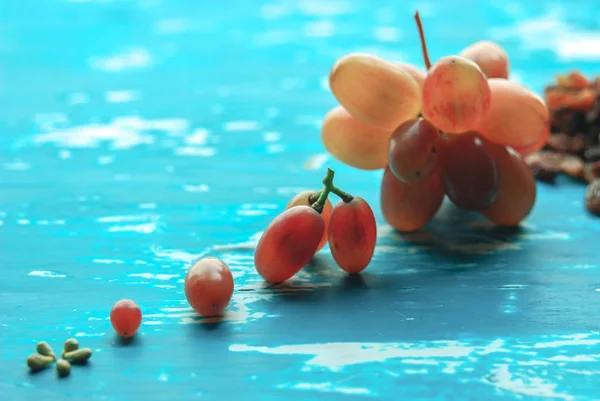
column 456, row 95
column 352, row 235
column 288, row 243
column 353, row 142
column 408, row 207
column 375, row 91
column 414, row 151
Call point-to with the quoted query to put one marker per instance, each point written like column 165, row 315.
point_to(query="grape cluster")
column 459, row 129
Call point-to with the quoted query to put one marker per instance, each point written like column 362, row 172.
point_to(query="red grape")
column 469, row 174
column 456, row 95
column 302, row 199
column 126, row 317
column 408, row 207
column 413, row 151
column 352, row 234
column 288, row 243
column 517, row 191
column 209, row 286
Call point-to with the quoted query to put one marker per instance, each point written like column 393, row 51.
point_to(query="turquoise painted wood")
column 139, row 135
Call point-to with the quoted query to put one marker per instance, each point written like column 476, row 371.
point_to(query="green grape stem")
column 423, row 42
column 318, row 200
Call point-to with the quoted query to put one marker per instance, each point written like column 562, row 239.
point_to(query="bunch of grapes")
column 307, row 224
column 459, row 129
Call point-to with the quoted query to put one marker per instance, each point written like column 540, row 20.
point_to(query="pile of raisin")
column 573, row 147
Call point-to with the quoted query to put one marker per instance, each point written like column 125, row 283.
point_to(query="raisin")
column 569, row 121
column 559, row 142
column 571, row 165
column 592, row 197
column 592, row 154
column 545, row 165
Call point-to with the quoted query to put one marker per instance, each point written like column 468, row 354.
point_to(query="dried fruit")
column 572, row 166
column 63, row 368
column 592, row 197
column 573, row 147
column 37, row 362
column 79, row 356
column 43, row 348
column 70, row 345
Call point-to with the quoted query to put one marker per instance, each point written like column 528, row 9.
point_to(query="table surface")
column 137, row 136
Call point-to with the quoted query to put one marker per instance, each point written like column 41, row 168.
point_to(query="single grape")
column 470, row 174
column 375, row 91
column 517, row 117
column 417, row 73
column 490, row 57
column 353, row 142
column 208, row 286
column 352, row 234
column 456, row 95
column 516, row 191
column 414, row 150
column 126, row 317
column 408, row 207
column 302, row 199
column 288, row 243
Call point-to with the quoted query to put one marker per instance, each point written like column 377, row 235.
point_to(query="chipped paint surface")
column 138, row 136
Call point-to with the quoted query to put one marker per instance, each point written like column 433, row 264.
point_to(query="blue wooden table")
column 139, row 135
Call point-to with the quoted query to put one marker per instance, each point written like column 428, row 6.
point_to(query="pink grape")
column 456, row 95
column 208, row 286
column 517, row 117
column 126, row 317
column 490, row 57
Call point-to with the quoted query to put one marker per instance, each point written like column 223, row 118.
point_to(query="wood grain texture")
column 137, row 136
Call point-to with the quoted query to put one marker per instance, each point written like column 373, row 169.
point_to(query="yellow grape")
column 490, row 57
column 456, row 95
column 417, row 73
column 354, row 143
column 517, row 190
column 408, row 207
column 375, row 91
column 517, row 118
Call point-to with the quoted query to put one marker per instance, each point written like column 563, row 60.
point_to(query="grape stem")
column 423, row 42
column 318, row 200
